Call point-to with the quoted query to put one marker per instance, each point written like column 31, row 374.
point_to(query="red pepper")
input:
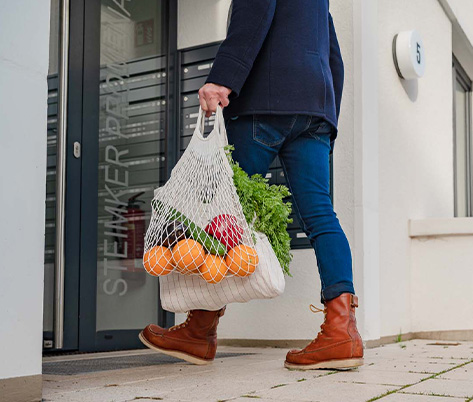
column 225, row 228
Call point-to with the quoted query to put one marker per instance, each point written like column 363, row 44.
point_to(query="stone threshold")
column 22, row 389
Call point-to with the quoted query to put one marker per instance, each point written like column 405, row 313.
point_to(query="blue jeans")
column 302, row 143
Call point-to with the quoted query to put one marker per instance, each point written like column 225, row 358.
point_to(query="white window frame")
column 460, row 76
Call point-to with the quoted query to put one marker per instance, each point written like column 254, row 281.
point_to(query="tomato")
column 225, row 228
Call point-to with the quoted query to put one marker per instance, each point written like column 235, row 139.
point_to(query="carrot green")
column 264, row 208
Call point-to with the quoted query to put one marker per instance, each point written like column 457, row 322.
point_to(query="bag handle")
column 219, row 126
column 201, row 119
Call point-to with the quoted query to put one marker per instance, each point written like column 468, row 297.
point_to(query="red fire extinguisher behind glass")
column 135, row 238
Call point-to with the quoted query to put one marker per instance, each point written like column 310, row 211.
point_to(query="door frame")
column 82, row 178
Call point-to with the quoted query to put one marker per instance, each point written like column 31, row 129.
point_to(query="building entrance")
column 115, row 154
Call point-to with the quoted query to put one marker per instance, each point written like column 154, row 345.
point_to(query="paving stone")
column 63, row 383
column 382, row 377
column 432, row 366
column 265, row 400
column 452, row 352
column 461, row 373
column 457, row 388
column 225, row 384
column 319, row 391
column 399, row 397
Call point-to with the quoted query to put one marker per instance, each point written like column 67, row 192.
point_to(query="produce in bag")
column 197, row 220
column 214, row 268
column 266, row 209
column 225, row 229
column 240, row 223
column 157, row 261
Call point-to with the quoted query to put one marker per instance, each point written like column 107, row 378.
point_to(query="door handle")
column 77, row 150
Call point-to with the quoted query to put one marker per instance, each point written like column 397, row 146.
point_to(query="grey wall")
column 24, row 42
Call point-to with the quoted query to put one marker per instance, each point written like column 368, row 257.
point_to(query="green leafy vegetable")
column 265, row 209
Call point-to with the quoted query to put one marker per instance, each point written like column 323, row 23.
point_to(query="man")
column 279, row 76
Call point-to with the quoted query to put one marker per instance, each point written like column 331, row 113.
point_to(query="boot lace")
column 182, row 325
column 316, row 310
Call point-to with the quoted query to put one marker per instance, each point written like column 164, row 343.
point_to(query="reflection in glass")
column 50, row 212
column 131, row 158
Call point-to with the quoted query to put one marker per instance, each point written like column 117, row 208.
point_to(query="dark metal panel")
column 89, row 196
column 192, row 84
column 166, row 318
column 196, row 70
column 73, row 178
column 199, row 53
column 189, row 99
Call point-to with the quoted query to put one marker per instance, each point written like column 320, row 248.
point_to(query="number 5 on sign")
column 408, row 54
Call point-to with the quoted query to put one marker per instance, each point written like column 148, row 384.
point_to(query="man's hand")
column 210, row 95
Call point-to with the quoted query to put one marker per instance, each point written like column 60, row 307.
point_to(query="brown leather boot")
column 338, row 345
column 195, row 340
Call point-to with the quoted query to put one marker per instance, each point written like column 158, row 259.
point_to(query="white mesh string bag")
column 198, row 242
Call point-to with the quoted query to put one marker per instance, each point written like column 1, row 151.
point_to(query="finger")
column 203, row 104
column 205, row 99
column 208, row 110
column 224, row 101
column 223, row 96
column 221, row 106
column 212, row 104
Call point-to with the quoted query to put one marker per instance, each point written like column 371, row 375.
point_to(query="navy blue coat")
column 281, row 57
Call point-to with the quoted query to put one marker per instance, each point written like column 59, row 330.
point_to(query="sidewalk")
column 412, row 371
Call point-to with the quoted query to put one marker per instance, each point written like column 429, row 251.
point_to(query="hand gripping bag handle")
column 218, row 130
column 216, row 139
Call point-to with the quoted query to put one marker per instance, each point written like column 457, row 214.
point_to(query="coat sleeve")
column 249, row 24
column 336, row 65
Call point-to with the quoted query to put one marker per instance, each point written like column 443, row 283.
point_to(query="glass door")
column 131, row 155
column 120, row 146
column 126, row 147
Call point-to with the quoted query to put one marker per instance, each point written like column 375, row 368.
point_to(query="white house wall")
column 462, row 14
column 416, row 147
column 442, row 262
column 442, row 267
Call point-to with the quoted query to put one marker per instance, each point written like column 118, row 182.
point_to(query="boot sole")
column 330, row 364
column 174, row 353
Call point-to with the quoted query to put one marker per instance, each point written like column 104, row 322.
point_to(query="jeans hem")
column 333, row 291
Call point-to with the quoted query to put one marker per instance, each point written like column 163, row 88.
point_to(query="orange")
column 188, row 255
column 242, row 260
column 213, row 269
column 158, row 261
